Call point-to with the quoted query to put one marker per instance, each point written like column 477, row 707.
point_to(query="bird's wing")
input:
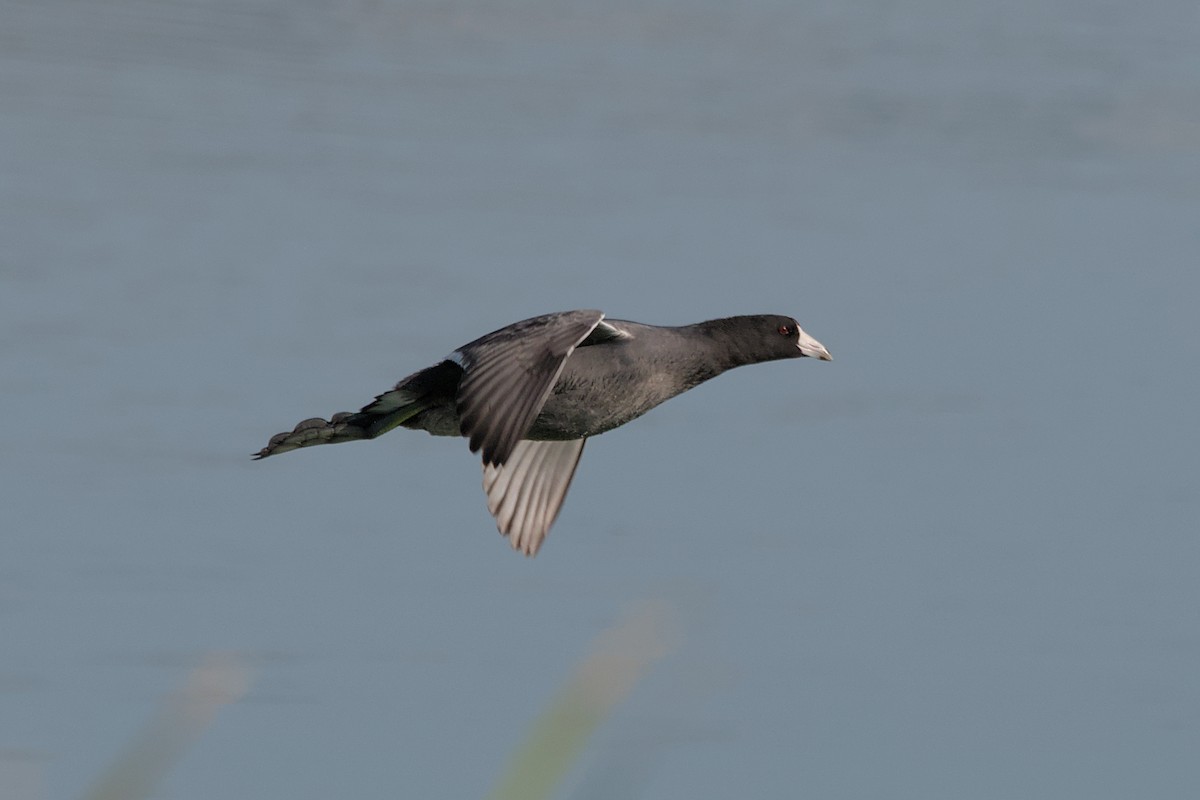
column 526, row 493
column 507, row 376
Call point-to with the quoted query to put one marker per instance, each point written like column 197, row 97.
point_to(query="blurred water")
column 958, row 561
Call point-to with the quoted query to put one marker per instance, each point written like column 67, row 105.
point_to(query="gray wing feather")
column 526, row 493
column 509, row 374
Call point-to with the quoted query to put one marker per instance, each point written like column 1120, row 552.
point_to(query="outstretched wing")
column 508, row 374
column 526, row 493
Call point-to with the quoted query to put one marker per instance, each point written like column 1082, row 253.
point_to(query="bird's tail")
column 344, row 426
column 414, row 394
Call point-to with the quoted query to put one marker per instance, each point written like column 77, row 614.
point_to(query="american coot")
column 528, row 396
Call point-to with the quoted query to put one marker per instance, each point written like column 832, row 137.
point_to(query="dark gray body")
column 602, row 385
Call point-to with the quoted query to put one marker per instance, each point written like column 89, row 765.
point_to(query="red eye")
column 785, row 330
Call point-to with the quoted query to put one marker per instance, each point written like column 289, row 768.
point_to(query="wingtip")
column 529, row 549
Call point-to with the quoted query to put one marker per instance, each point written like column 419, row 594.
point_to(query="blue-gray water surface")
column 961, row 560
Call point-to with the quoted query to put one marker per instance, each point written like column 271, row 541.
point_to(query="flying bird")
column 528, row 396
